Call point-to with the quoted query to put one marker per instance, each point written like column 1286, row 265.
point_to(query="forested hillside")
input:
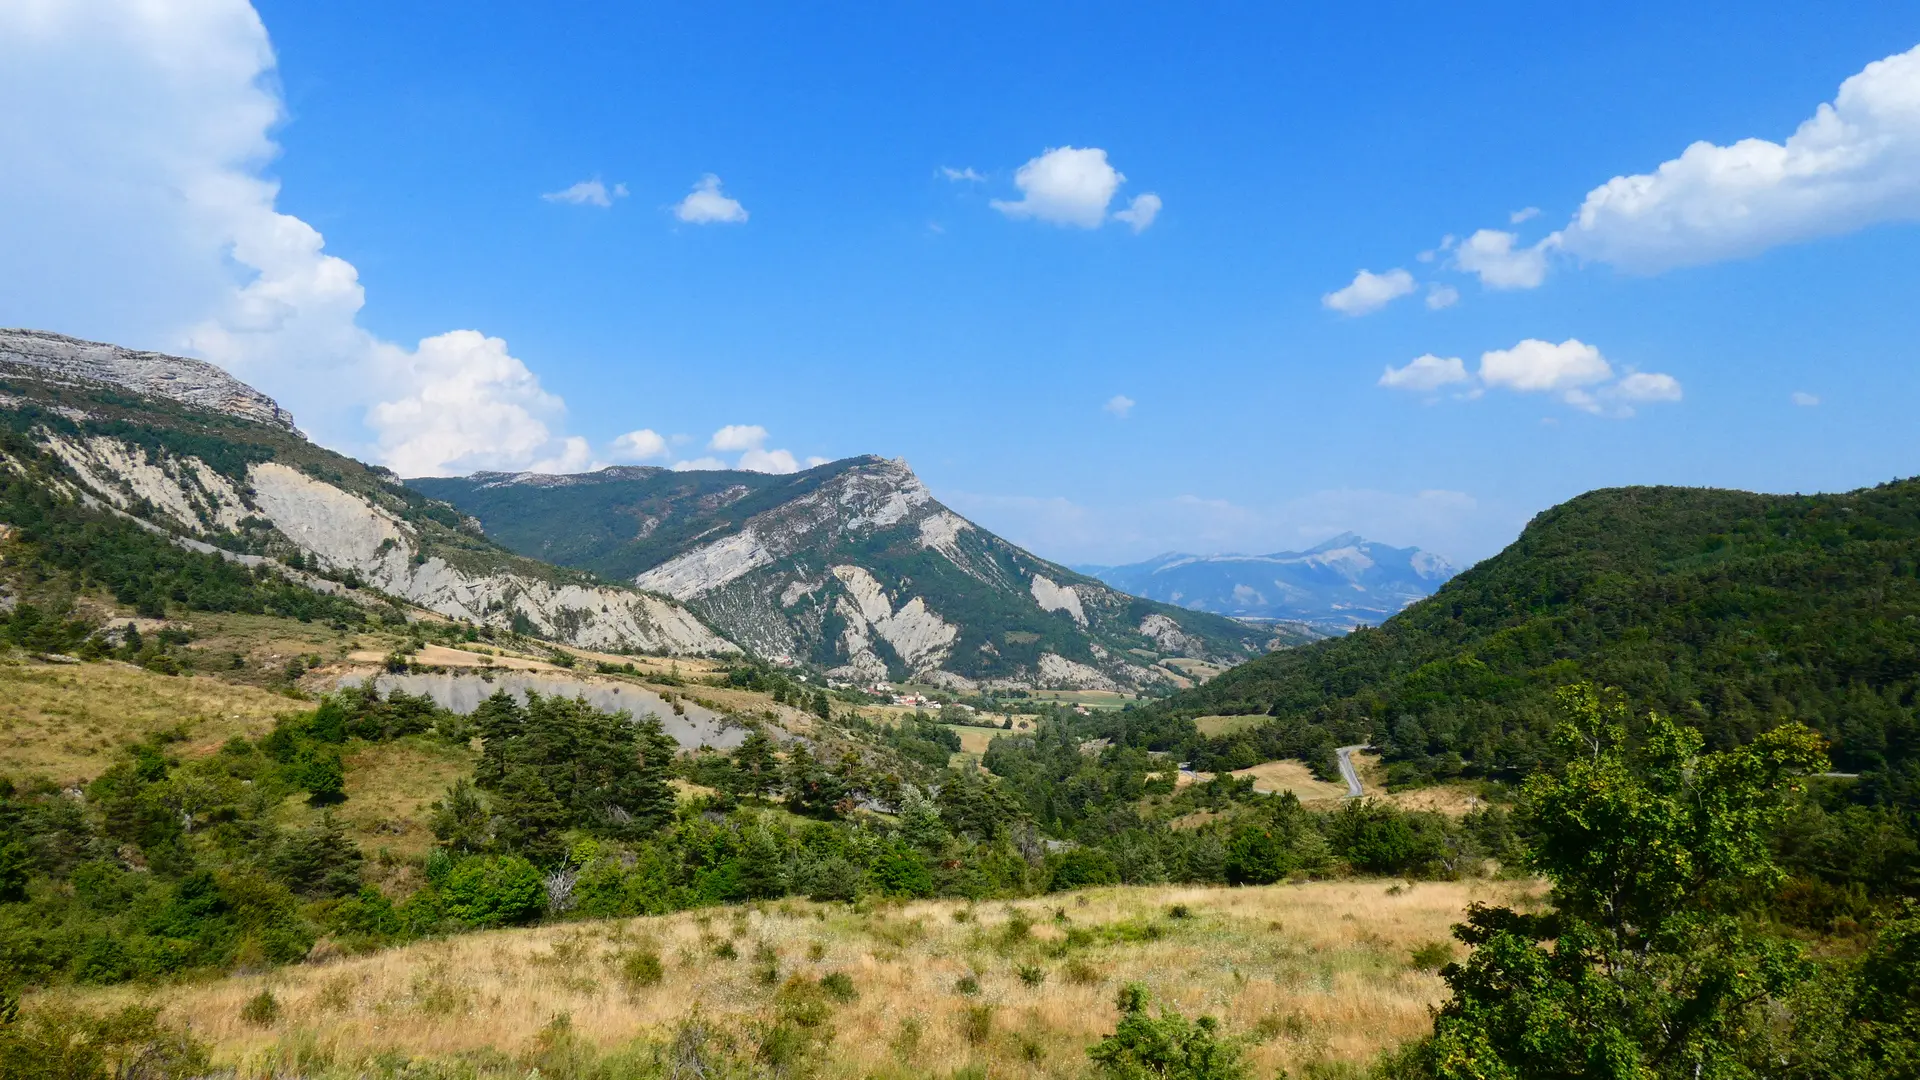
column 1727, row 610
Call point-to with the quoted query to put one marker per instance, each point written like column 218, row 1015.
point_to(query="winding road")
column 1347, row 771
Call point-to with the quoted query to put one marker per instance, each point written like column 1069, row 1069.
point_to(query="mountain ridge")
column 1342, row 582
column 187, row 450
column 852, row 566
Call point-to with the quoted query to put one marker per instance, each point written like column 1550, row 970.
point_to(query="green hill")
column 1728, row 610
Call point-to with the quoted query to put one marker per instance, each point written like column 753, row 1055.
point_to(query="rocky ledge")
column 49, row 357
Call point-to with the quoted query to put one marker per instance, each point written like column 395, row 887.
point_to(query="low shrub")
column 261, row 1010
column 641, row 967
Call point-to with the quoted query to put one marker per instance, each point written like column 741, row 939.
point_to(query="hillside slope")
column 188, row 451
column 1732, row 611
column 852, row 566
column 1345, row 582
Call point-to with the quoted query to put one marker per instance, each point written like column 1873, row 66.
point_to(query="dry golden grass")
column 1274, row 777
column 1307, row 972
column 1211, row 726
column 67, row 722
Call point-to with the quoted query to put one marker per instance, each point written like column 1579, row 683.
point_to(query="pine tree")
column 461, row 821
column 920, row 823
column 758, row 768
column 319, row 863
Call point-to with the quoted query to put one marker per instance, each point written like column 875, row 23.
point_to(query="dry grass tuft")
column 1307, row 973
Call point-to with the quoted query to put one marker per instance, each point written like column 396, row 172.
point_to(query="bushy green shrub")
column 493, row 890
column 901, row 872
column 1166, row 1047
column 1080, row 868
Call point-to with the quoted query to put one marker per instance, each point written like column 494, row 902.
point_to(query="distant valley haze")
column 1334, row 586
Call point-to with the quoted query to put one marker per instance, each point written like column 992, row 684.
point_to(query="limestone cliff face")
column 277, row 495
column 853, row 567
column 46, row 357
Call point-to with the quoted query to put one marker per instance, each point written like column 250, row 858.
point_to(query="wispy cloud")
column 588, row 193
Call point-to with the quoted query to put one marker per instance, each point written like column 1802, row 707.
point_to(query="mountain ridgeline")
column 127, row 459
column 1345, row 582
column 1729, row 611
column 854, row 567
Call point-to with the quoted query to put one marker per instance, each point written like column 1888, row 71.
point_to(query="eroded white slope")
column 921, row 639
column 346, row 532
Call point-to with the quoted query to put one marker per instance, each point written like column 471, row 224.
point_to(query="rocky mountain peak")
column 56, row 358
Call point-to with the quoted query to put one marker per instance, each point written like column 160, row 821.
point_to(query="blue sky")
column 854, row 297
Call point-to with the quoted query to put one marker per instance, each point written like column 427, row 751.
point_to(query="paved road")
column 1347, row 771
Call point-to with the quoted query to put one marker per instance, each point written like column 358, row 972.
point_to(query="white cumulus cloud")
column 769, row 461
column 1064, row 186
column 642, row 445
column 1369, row 292
column 470, row 406
column 706, row 204
column 1441, row 296
column 1572, row 371
column 1541, row 366
column 1425, row 374
column 957, row 175
column 1491, row 254
column 1119, row 405
column 588, row 193
column 1855, row 162
column 738, row 437
column 136, row 136
column 1804, row 399
column 750, row 442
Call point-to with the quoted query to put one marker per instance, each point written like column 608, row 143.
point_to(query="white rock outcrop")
column 185, row 490
column 1058, row 672
column 708, row 567
column 1166, row 634
column 1052, row 596
column 920, row 638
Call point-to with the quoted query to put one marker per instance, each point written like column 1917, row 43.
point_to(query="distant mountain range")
column 855, row 568
column 1346, row 582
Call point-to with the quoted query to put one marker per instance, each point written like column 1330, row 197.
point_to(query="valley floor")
column 1304, row 973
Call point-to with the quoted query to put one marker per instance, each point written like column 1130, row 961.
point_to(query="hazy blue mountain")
column 1347, row 581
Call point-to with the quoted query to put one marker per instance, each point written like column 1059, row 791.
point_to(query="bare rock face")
column 50, row 357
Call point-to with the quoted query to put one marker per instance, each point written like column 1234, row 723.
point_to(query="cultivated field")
column 1308, row 973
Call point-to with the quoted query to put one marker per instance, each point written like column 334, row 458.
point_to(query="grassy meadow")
column 1315, row 974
